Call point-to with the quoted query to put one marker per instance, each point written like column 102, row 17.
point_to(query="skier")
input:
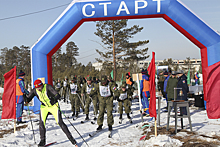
column 123, row 101
column 74, row 99
column 58, row 86
column 20, row 90
column 65, row 88
column 130, row 82
column 105, row 95
column 86, row 89
column 48, row 97
column 79, row 89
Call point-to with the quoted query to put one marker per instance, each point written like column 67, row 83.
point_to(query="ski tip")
column 142, row 137
column 50, row 144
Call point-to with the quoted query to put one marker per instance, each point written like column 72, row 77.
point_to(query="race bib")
column 105, row 91
column 123, row 96
column 88, row 90
column 73, row 88
column 64, row 83
column 58, row 85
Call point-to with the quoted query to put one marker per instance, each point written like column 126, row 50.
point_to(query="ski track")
column 123, row 135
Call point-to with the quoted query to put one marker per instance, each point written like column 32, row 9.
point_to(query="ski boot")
column 129, row 118
column 42, row 143
column 87, row 117
column 109, row 131
column 120, row 119
column 99, row 128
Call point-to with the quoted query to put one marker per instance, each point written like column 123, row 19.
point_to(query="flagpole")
column 139, row 95
column 14, row 125
column 155, row 125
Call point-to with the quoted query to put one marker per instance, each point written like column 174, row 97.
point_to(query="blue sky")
column 165, row 40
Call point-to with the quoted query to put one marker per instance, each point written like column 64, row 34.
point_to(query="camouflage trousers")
column 126, row 104
column 95, row 104
column 74, row 101
column 105, row 102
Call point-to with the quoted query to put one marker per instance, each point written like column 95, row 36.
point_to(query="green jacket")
column 171, row 84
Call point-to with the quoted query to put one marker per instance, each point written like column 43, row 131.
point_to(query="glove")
column 25, row 98
column 53, row 101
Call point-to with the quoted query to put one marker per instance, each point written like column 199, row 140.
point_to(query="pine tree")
column 71, row 51
column 115, row 38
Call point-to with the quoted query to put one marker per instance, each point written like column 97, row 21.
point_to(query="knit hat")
column 21, row 73
column 38, row 83
column 144, row 71
column 165, row 73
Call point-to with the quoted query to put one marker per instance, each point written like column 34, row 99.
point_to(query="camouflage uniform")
column 58, row 86
column 65, row 88
column 123, row 101
column 74, row 97
column 86, row 89
column 79, row 87
column 105, row 96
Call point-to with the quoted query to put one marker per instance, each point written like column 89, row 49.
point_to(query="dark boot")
column 42, row 143
column 77, row 113
column 110, row 127
column 120, row 117
column 87, row 117
column 99, row 128
column 73, row 113
column 73, row 141
column 128, row 116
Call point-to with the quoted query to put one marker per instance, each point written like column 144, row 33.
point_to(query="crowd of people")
column 81, row 92
column 173, row 86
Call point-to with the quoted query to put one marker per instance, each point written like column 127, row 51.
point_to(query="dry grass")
column 188, row 141
column 3, row 132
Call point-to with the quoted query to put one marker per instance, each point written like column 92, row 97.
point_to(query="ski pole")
column 73, row 126
column 31, row 123
column 81, row 100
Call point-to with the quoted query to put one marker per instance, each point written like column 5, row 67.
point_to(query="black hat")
column 74, row 78
column 144, row 71
column 165, row 73
column 21, row 73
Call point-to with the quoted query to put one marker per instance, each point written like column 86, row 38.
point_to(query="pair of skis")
column 96, row 132
column 120, row 121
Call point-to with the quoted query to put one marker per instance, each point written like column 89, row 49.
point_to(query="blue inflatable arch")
column 80, row 11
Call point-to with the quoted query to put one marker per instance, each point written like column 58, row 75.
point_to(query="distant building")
column 141, row 64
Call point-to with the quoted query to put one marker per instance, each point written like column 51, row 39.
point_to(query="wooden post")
column 14, row 125
column 155, row 125
column 139, row 95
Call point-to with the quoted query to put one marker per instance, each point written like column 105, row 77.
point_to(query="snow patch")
column 162, row 140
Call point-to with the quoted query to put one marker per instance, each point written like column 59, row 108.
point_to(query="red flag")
column 9, row 95
column 213, row 91
column 151, row 71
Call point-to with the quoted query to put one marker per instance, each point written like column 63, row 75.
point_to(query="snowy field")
column 124, row 135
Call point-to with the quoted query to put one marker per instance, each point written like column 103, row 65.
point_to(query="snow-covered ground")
column 124, row 134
